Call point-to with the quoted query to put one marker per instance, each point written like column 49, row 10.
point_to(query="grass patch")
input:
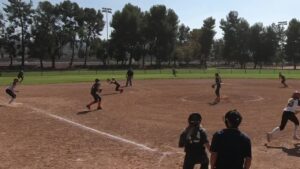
column 52, row 77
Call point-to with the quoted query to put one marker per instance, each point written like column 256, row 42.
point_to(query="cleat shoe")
column 99, row 108
column 269, row 137
column 121, row 91
column 88, row 107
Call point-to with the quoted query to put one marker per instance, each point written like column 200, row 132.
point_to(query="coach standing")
column 230, row 148
column 129, row 76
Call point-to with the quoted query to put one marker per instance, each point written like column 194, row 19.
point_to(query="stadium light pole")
column 106, row 10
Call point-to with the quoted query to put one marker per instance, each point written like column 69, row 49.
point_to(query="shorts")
column 96, row 97
column 11, row 93
column 191, row 160
column 287, row 115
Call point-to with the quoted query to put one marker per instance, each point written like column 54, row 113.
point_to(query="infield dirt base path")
column 48, row 125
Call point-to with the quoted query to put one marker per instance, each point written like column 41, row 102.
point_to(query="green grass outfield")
column 52, row 77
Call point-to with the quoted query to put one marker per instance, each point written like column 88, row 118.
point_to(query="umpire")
column 194, row 140
column 230, row 148
column 129, row 76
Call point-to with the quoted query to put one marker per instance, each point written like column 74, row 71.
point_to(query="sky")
column 193, row 12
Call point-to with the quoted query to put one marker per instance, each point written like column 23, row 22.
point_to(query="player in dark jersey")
column 217, row 87
column 94, row 92
column 194, row 140
column 10, row 90
column 231, row 148
column 282, row 77
column 129, row 77
column 21, row 76
column 114, row 81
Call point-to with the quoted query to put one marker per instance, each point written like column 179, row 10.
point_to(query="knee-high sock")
column 275, row 130
column 296, row 130
column 11, row 100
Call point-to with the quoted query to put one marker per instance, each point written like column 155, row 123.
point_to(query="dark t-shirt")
column 218, row 81
column 129, row 73
column 20, row 75
column 193, row 140
column 282, row 77
column 232, row 147
column 95, row 88
column 115, row 83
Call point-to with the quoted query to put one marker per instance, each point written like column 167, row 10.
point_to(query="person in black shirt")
column 174, row 72
column 217, row 86
column 94, row 92
column 129, row 76
column 230, row 148
column 194, row 140
column 282, row 77
column 21, row 76
column 114, row 81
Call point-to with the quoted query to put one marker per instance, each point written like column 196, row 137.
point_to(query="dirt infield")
column 48, row 127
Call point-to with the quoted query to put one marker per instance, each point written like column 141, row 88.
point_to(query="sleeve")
column 204, row 137
column 214, row 143
column 182, row 139
column 248, row 149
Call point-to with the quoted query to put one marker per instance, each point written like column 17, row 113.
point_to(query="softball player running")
column 289, row 113
column 94, row 92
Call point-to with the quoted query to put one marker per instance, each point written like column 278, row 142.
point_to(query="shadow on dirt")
column 83, row 112
column 290, row 151
column 107, row 94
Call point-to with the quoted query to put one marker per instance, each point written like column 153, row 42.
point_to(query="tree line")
column 137, row 35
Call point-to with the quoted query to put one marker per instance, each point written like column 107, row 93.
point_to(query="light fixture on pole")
column 106, row 10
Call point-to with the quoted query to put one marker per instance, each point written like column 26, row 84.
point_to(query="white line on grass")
column 117, row 138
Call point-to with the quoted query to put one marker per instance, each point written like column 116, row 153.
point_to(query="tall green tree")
column 293, row 42
column 255, row 43
column 19, row 14
column 2, row 33
column 92, row 26
column 230, row 28
column 243, row 39
column 163, row 27
column 217, row 50
column 43, row 32
column 127, row 26
column 270, row 44
column 70, row 16
column 10, row 43
column 183, row 34
column 206, row 39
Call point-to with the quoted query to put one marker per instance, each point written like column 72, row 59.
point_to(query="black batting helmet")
column 194, row 119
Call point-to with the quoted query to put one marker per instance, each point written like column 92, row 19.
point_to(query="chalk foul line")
column 117, row 138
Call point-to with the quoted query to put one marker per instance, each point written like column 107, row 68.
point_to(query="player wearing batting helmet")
column 94, row 92
column 231, row 148
column 194, row 140
column 289, row 113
